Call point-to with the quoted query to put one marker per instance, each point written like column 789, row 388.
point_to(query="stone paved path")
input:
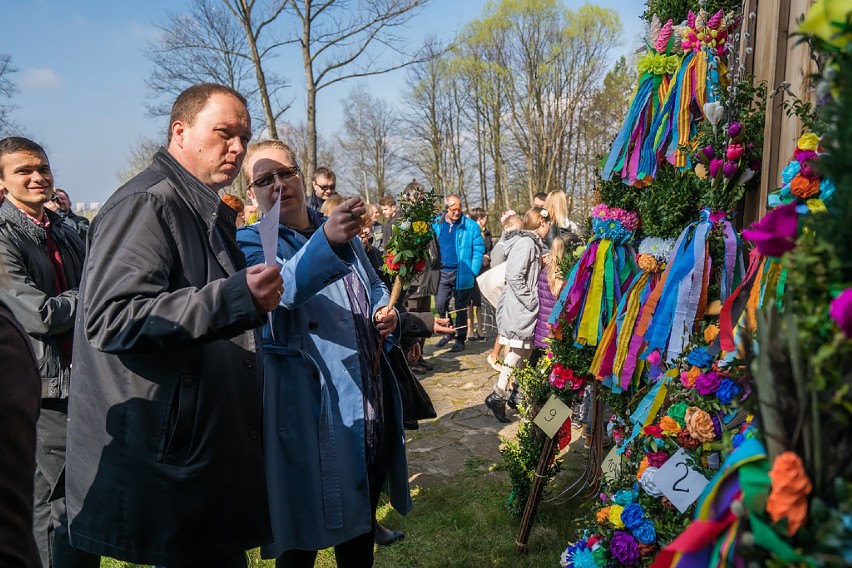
column 465, row 436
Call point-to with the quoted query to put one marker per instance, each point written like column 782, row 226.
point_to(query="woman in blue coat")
column 332, row 430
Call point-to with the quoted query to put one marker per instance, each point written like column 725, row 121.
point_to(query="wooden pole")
column 535, row 495
column 396, row 292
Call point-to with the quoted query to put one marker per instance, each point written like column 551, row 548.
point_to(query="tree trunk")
column 258, row 70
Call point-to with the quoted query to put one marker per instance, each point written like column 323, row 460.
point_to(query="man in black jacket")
column 44, row 261
column 165, row 454
column 61, row 205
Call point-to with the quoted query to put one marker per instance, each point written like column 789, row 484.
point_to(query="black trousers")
column 462, row 298
column 50, row 523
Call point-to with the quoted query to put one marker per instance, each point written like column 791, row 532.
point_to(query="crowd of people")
column 200, row 395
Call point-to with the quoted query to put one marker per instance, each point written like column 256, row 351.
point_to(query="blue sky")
column 82, row 74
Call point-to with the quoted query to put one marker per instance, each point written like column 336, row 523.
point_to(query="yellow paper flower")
column 420, row 227
column 615, row 516
column 822, row 20
column 816, row 206
column 809, row 141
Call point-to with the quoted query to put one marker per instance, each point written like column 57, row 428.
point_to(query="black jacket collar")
column 198, row 196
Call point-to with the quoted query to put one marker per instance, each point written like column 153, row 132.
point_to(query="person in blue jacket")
column 332, row 429
column 461, row 246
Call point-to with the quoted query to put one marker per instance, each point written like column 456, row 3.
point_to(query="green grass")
column 460, row 523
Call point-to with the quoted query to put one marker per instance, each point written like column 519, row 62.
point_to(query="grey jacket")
column 165, row 462
column 517, row 309
column 31, row 290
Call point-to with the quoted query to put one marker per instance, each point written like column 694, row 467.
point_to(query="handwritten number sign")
column 611, row 466
column 679, row 482
column 552, row 416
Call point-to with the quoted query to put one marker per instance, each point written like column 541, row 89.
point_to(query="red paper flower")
column 420, row 265
column 653, row 430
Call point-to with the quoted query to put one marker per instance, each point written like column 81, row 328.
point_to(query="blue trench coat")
column 313, row 404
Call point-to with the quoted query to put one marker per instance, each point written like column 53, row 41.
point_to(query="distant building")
column 79, row 206
column 95, row 205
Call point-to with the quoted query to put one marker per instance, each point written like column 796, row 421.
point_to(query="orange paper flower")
column 710, row 333
column 804, row 187
column 699, row 424
column 789, row 495
column 688, row 378
column 648, row 263
column 643, row 465
column 603, row 515
column 669, row 425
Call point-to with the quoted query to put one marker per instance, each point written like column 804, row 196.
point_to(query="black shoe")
column 425, row 364
column 418, row 370
column 457, row 346
column 386, row 537
column 497, row 405
column 443, row 341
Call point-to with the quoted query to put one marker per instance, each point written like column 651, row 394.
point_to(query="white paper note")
column 552, row 416
column 679, row 482
column 268, row 229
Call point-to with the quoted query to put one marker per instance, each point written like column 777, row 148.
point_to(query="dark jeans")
column 50, row 523
column 447, row 289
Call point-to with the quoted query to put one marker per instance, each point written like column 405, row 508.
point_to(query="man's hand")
column 386, row 321
column 266, row 286
column 345, row 221
column 414, row 352
column 443, row 326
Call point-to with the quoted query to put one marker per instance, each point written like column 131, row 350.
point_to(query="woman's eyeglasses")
column 282, row 174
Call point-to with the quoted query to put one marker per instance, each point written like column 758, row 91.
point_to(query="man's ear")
column 178, row 132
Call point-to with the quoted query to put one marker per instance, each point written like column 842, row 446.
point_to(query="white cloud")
column 40, row 78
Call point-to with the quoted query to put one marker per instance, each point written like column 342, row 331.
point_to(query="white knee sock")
column 509, row 363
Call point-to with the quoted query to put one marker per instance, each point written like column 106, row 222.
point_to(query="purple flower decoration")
column 715, row 164
column 717, row 426
column 734, row 129
column 841, row 312
column 707, row 383
column 729, row 169
column 728, row 390
column 807, row 170
column 755, row 164
column 708, row 152
column 775, row 234
column 624, row 548
column 804, row 155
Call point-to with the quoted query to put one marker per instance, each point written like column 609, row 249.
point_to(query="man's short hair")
column 193, row 100
column 477, row 213
column 60, row 190
column 387, row 201
column 266, row 145
column 15, row 144
column 540, row 195
column 325, row 172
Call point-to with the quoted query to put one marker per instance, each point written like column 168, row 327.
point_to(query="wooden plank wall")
column 776, row 59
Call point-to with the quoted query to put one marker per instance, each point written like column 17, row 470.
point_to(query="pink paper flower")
column 714, row 167
column 775, row 234
column 734, row 152
column 841, row 312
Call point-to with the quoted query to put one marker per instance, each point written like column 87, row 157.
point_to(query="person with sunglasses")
column 333, row 423
column 323, row 186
